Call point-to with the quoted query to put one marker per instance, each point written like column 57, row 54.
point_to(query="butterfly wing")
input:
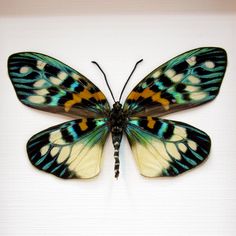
column 45, row 83
column 164, row 147
column 70, row 150
column 186, row 81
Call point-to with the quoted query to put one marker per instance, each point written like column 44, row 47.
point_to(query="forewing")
column 166, row 148
column 186, row 81
column 45, row 83
column 70, row 150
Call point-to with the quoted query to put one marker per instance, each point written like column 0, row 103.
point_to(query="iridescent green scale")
column 161, row 147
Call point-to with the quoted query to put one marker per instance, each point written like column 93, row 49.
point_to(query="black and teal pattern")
column 45, row 83
column 161, row 147
column 186, row 81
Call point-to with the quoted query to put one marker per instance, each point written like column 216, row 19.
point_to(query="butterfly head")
column 117, row 106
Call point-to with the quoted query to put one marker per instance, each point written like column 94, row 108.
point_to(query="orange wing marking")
column 164, row 102
column 82, row 95
column 156, row 97
column 83, row 124
column 151, row 122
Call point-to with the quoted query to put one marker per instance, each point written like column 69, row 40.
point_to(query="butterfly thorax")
column 117, row 120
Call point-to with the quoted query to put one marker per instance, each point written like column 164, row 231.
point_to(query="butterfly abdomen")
column 117, row 124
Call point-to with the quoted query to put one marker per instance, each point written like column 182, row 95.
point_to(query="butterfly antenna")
column 94, row 62
column 129, row 78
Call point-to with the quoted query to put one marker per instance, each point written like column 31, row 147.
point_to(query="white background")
column 201, row 202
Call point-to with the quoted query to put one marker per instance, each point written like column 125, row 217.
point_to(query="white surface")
column 201, row 202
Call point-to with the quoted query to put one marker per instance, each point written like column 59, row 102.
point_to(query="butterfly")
column 161, row 147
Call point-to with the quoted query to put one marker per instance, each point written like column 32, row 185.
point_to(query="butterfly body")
column 118, row 121
column 161, row 147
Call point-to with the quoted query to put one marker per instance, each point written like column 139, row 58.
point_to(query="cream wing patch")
column 148, row 166
column 42, row 92
column 41, row 64
column 82, row 160
column 156, row 74
column 182, row 147
column 24, row 69
column 64, row 154
column 54, row 151
column 62, row 75
column 173, row 151
column 177, row 78
column 44, row 149
column 209, row 64
column 39, row 83
column 36, row 99
column 75, row 76
column 198, row 95
column 153, row 158
column 191, row 61
column 89, row 164
column 170, row 73
column 55, row 80
column 193, row 79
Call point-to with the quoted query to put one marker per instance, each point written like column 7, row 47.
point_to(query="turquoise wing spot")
column 162, row 129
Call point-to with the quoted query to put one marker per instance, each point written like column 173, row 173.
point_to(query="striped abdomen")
column 116, row 157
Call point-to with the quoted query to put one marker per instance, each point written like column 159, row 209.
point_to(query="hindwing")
column 164, row 147
column 70, row 150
